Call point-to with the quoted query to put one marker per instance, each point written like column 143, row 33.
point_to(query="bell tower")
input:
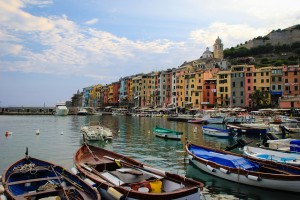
column 218, row 49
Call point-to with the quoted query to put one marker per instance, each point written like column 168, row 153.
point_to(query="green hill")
column 279, row 47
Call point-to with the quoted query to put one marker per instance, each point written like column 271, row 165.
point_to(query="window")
column 273, row 87
column 242, row 101
column 249, row 88
column 249, row 80
column 262, row 74
column 295, row 73
column 233, row 93
column 279, row 87
column 295, row 80
column 242, row 93
column 254, row 88
column 296, row 87
column 279, row 79
column 273, row 79
column 233, row 84
column 242, row 84
column 286, row 80
column 268, row 80
column 254, row 80
column 262, row 81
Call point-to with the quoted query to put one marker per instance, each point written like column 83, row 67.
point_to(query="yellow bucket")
column 156, row 186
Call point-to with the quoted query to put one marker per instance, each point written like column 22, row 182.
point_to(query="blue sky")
column 51, row 48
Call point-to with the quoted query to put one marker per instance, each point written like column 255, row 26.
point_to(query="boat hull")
column 254, row 172
column 102, row 163
column 96, row 133
column 167, row 133
column 292, row 185
column 31, row 178
column 272, row 155
column 61, row 111
column 215, row 132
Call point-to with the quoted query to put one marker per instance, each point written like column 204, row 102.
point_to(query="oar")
column 143, row 167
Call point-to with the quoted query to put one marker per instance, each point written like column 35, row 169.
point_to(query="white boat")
column 61, row 109
column 82, row 111
column 244, row 169
column 216, row 132
column 95, row 132
column 272, row 155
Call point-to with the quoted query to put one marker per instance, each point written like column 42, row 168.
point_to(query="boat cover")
column 295, row 145
column 224, row 159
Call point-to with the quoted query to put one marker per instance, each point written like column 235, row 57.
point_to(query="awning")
column 188, row 102
column 107, row 107
column 136, row 97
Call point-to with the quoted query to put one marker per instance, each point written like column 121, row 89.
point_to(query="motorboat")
column 167, row 133
column 61, row 109
column 217, row 132
column 96, row 132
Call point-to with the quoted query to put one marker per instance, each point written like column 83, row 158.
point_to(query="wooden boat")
column 167, row 133
column 290, row 129
column 95, row 132
column 118, row 176
column 272, row 155
column 244, row 169
column 217, row 132
column 244, row 130
column 31, row 178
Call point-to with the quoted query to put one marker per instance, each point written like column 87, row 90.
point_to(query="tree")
column 260, row 98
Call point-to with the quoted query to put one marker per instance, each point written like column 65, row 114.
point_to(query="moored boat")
column 118, row 176
column 95, row 132
column 272, row 155
column 61, row 109
column 247, row 130
column 167, row 133
column 217, row 132
column 31, row 178
column 243, row 169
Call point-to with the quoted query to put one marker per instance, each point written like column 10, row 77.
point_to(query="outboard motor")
column 268, row 136
column 240, row 143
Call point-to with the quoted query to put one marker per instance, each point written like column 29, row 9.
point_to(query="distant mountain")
column 279, row 47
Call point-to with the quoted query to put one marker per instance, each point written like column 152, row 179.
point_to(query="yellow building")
column 262, row 80
column 224, row 88
column 136, row 90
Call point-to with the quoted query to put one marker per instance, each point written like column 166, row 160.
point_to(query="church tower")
column 218, row 49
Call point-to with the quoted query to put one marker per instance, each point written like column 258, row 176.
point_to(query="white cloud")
column 92, row 21
column 15, row 18
column 231, row 35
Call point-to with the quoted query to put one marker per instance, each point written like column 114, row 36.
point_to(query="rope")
column 66, row 195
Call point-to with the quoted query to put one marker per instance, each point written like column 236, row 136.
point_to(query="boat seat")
column 34, row 180
column 276, row 170
column 50, row 191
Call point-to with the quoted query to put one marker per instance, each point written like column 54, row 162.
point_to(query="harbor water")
column 59, row 137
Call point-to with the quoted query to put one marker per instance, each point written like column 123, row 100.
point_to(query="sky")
column 50, row 49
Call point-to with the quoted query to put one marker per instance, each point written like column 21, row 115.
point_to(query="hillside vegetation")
column 267, row 53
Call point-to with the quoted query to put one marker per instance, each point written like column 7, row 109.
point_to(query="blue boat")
column 217, row 132
column 31, row 178
column 247, row 130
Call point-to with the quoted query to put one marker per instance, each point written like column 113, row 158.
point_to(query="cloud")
column 92, row 21
column 13, row 17
column 231, row 35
